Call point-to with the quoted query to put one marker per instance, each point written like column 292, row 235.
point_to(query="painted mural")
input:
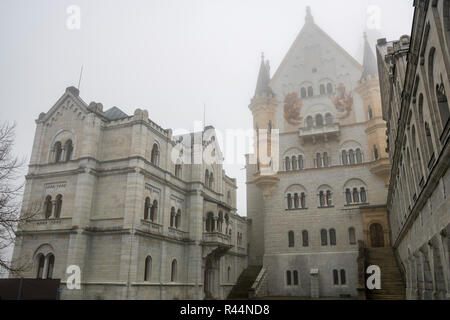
column 292, row 108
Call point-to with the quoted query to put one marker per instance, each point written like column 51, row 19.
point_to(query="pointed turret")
column 262, row 85
column 309, row 18
column 369, row 62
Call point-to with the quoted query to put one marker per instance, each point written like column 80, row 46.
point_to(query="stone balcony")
column 151, row 227
column 178, row 234
column 216, row 238
column 316, row 133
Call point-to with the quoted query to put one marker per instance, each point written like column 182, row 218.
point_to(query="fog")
column 169, row 57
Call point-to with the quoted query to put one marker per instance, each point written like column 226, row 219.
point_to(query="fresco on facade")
column 342, row 101
column 292, row 108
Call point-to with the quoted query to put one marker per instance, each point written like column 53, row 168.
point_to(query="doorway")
column 376, row 235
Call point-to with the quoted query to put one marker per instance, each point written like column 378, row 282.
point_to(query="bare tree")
column 10, row 197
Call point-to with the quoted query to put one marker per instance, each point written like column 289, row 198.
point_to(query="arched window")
column 328, row 119
column 288, row 278
column 329, row 199
column 148, row 269
column 332, row 237
column 322, row 89
column 325, row 160
column 289, row 201
column 155, row 155
column 344, row 158
column 288, row 164
column 211, row 180
column 429, row 139
column 41, row 264
column 351, row 156
column 343, row 277
column 310, row 91
column 172, row 217
column 329, row 88
column 363, row 195
column 303, row 92
column 348, row 196
column 309, row 122
column 178, row 219
column 154, row 211
column 178, row 171
column 300, row 162
column 295, row 273
column 335, row 277
column 323, row 237
column 58, row 151
column 68, row 147
column 351, row 235
column 359, row 156
column 355, row 195
column 442, row 104
column 319, row 160
column 305, row 238
column 210, row 222
column 294, row 163
column 48, row 207
column 321, row 199
column 206, row 177
column 296, row 201
column 147, row 208
column 50, row 265
column 319, row 120
column 173, row 274
column 370, row 112
column 229, row 274
column 303, row 200
column 58, row 206
column 291, row 239
column 375, row 152
column 220, row 224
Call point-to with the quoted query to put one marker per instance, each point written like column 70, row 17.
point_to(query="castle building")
column 139, row 211
column 414, row 76
column 319, row 196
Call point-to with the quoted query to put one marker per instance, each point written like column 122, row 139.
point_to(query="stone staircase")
column 244, row 283
column 392, row 284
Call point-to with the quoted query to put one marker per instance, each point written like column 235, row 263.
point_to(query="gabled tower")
column 369, row 90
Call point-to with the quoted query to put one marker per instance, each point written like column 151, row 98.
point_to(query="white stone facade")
column 303, row 229
column 96, row 215
column 414, row 74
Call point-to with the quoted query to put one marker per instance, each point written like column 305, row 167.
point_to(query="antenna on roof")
column 204, row 116
column 79, row 80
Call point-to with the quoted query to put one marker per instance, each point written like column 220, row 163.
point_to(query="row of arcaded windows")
column 323, row 237
column 148, row 270
column 323, row 160
column 151, row 210
column 339, row 277
column 52, row 208
column 62, row 153
column 319, row 120
column 297, row 201
column 309, row 90
column 292, row 278
column 221, row 224
column 355, row 196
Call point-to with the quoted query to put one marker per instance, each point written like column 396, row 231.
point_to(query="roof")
column 114, row 113
column 369, row 62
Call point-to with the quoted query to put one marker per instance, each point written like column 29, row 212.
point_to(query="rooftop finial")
column 262, row 56
column 309, row 17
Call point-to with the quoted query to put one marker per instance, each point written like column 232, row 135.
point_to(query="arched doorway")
column 376, row 235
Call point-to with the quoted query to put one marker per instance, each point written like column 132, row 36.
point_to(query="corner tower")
column 369, row 90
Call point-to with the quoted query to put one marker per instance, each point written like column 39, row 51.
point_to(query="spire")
column 369, row 62
column 309, row 18
column 262, row 86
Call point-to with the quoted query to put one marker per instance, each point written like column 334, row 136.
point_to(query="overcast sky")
column 169, row 57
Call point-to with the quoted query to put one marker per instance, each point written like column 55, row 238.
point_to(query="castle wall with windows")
column 414, row 73
column 118, row 196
